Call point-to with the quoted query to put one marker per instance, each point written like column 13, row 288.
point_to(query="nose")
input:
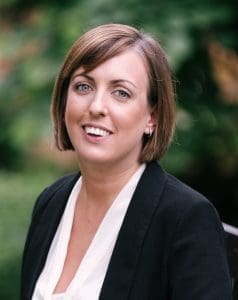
column 98, row 106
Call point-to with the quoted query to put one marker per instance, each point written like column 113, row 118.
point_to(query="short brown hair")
column 102, row 43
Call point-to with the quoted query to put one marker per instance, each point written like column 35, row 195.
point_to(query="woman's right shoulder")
column 47, row 194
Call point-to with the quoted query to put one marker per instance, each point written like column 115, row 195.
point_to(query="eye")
column 121, row 94
column 83, row 88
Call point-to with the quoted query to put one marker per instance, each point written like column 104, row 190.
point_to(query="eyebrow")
column 84, row 75
column 115, row 81
column 123, row 80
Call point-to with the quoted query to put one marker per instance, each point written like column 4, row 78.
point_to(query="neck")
column 101, row 184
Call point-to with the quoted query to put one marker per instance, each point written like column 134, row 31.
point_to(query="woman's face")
column 107, row 110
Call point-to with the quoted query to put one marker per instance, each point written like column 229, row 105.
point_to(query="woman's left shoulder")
column 182, row 192
column 175, row 198
column 189, row 205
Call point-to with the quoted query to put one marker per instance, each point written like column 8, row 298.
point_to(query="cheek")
column 69, row 114
column 71, row 120
column 73, row 109
column 134, row 119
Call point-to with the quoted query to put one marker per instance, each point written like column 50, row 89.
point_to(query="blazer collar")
column 144, row 202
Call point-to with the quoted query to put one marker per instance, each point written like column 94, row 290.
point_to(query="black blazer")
column 170, row 245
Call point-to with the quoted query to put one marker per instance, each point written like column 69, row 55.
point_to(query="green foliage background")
column 200, row 38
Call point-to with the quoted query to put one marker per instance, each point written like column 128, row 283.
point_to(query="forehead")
column 129, row 65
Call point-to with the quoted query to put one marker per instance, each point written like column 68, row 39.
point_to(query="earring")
column 149, row 132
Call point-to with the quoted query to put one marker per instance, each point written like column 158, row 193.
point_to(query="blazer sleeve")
column 198, row 261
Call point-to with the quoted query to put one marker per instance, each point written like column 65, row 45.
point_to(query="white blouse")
column 89, row 277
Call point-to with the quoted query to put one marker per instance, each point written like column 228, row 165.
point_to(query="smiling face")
column 107, row 110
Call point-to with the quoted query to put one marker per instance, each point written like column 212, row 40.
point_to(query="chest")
column 84, row 228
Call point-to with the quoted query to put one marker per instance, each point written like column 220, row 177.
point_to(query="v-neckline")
column 100, row 243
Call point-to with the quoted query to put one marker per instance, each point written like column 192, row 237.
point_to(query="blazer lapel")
column 122, row 267
column 43, row 230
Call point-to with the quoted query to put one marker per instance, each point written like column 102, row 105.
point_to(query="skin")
column 112, row 97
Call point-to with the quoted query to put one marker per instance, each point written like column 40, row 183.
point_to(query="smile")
column 96, row 131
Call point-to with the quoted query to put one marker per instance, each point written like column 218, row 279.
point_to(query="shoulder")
column 182, row 195
column 179, row 203
column 174, row 190
column 64, row 182
column 190, row 216
column 186, row 200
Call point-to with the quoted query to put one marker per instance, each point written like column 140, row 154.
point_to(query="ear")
column 151, row 124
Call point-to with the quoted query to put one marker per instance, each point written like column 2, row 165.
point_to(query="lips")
column 96, row 131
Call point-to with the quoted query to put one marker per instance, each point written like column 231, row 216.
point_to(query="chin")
column 93, row 159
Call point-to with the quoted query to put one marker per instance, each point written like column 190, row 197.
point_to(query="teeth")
column 96, row 131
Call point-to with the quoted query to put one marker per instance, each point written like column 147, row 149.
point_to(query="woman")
column 122, row 228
